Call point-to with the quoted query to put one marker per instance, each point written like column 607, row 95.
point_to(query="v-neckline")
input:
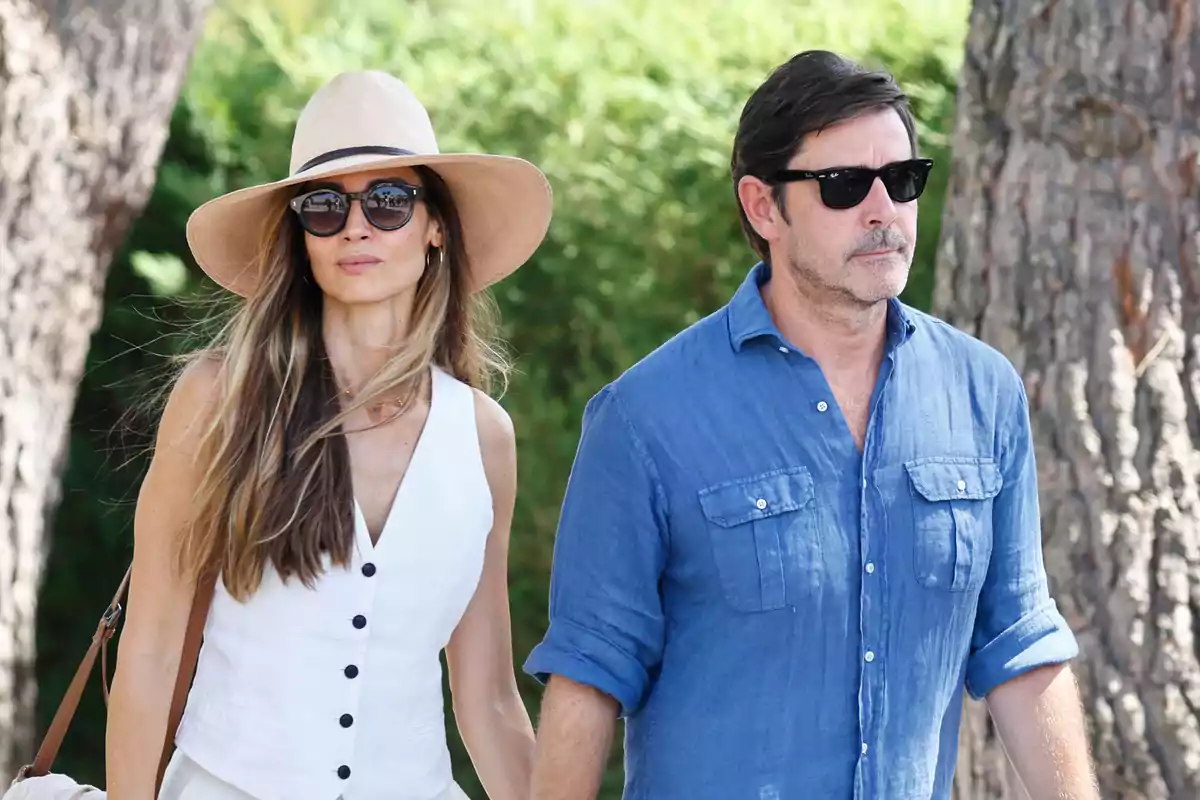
column 362, row 532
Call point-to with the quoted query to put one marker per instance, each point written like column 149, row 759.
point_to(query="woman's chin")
column 365, row 288
column 359, row 296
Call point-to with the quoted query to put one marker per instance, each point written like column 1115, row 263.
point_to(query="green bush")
column 628, row 105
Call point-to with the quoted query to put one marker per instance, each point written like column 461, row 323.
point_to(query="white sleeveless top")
column 336, row 692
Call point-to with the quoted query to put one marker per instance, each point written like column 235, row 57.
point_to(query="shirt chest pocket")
column 952, row 520
column 763, row 537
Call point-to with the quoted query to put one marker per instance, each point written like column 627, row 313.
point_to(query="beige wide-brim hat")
column 365, row 121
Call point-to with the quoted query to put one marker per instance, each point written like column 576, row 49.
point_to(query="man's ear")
column 758, row 201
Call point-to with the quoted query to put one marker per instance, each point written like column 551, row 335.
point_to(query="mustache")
column 880, row 239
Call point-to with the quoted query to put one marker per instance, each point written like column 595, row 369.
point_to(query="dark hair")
column 812, row 91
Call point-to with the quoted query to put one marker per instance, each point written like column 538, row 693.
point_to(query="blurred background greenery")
column 628, row 105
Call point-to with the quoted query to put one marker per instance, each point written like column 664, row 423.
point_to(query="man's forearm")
column 1041, row 723
column 573, row 741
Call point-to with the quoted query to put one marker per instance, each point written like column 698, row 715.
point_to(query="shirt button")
column 822, row 406
column 864, row 748
column 760, row 504
column 870, row 567
column 869, row 656
column 359, row 622
column 351, row 671
column 784, row 350
column 343, row 772
column 962, row 486
column 368, row 569
column 346, row 720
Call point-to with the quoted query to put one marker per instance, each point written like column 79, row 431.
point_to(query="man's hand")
column 1041, row 723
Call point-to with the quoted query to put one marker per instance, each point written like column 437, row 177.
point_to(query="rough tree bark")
column 86, row 93
column 1070, row 242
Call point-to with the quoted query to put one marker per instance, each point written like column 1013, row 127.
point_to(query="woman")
column 334, row 460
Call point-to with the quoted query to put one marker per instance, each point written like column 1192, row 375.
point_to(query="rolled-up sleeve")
column 1018, row 626
column 606, row 619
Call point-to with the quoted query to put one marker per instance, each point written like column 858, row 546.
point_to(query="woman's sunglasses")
column 388, row 205
column 846, row 187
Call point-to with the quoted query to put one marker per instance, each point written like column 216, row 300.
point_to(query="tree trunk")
column 1070, row 243
column 86, row 93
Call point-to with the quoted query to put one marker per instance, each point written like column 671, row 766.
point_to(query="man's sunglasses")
column 388, row 205
column 846, row 187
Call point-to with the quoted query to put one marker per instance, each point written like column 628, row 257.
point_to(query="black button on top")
column 351, row 671
column 368, row 569
column 343, row 772
column 346, row 720
column 360, row 621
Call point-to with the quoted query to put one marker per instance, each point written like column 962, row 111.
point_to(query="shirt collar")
column 748, row 315
column 749, row 319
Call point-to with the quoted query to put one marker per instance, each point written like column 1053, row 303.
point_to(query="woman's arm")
column 491, row 716
column 159, row 598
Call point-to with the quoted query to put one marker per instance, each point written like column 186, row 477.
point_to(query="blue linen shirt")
column 781, row 615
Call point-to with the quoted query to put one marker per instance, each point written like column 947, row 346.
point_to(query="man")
column 795, row 532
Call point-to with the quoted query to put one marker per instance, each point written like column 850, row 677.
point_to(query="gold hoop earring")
column 441, row 257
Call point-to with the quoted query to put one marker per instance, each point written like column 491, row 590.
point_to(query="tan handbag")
column 34, row 781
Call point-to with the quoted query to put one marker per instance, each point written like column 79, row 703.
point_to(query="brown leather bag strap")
column 70, row 700
column 187, row 669
column 107, row 626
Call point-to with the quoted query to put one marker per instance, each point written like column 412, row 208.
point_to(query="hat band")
column 346, row 152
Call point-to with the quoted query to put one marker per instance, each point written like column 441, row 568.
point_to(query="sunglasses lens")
column 905, row 181
column 323, row 213
column 389, row 206
column 846, row 188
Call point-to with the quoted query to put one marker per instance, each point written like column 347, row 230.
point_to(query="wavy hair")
column 276, row 487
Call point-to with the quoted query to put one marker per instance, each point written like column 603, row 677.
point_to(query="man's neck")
column 838, row 334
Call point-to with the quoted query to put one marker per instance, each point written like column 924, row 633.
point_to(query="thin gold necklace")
column 398, row 402
column 375, row 410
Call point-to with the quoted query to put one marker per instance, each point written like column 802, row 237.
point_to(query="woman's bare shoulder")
column 192, row 401
column 496, row 430
column 497, row 443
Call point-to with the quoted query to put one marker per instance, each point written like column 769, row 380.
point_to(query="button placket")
column 872, row 614
column 869, row 593
column 365, row 576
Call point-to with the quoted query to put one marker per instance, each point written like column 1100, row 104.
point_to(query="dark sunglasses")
column 846, row 187
column 388, row 205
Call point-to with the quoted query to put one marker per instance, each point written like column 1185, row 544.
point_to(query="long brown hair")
column 276, row 486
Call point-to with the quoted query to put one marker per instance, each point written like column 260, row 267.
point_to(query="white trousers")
column 187, row 780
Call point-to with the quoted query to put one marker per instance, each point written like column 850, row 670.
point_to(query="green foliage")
column 630, row 108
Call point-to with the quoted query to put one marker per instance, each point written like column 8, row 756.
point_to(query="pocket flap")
column 939, row 479
column 743, row 500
